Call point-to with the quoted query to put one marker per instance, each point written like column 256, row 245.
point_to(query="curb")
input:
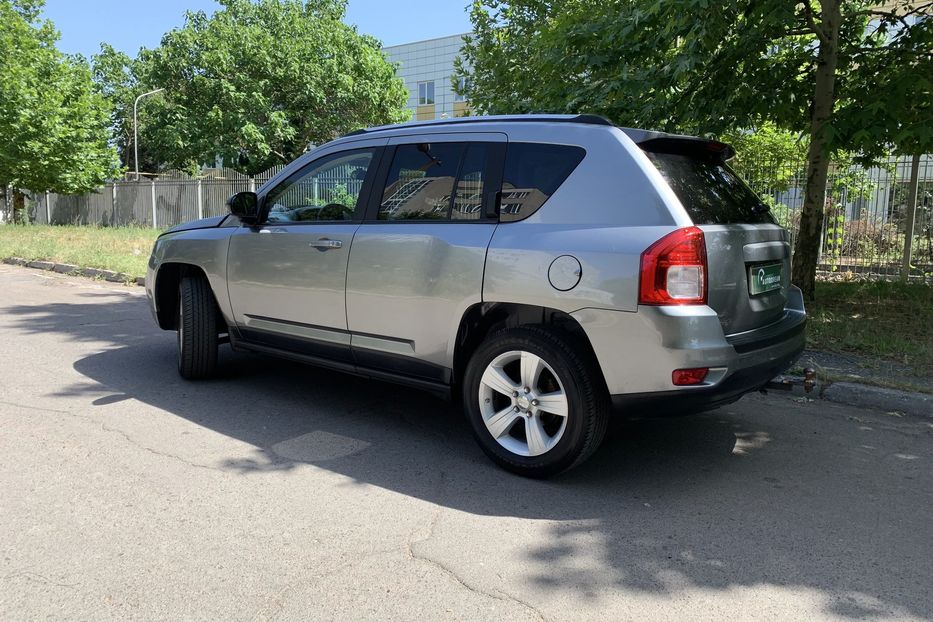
column 911, row 403
column 888, row 400
column 67, row 268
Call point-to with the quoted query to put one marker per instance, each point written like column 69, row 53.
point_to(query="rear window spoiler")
column 699, row 148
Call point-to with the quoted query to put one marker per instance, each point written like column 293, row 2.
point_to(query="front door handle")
column 325, row 244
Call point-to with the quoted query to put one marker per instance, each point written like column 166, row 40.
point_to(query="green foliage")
column 923, row 225
column 887, row 80
column 702, row 66
column 342, row 196
column 835, row 230
column 53, row 125
column 770, row 159
column 257, row 83
column 116, row 78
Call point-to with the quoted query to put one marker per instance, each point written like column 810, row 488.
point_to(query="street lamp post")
column 135, row 135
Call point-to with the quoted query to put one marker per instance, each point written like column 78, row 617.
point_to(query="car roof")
column 498, row 123
column 637, row 135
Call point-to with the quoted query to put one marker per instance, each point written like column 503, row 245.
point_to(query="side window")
column 533, row 172
column 420, row 184
column 468, row 199
column 327, row 189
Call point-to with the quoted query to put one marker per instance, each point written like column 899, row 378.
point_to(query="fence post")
column 152, row 194
column 113, row 202
column 48, row 209
column 911, row 216
column 200, row 206
column 252, row 184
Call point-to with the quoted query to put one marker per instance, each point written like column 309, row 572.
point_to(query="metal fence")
column 171, row 199
column 865, row 212
column 864, row 228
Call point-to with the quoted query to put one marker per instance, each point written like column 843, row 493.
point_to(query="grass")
column 122, row 249
column 885, row 319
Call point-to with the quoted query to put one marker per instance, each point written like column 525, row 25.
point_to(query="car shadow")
column 716, row 500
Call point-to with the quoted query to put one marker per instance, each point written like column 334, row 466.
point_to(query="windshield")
column 710, row 191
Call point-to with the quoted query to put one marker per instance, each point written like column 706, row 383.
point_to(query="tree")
column 53, row 126
column 116, row 77
column 844, row 73
column 768, row 158
column 257, row 83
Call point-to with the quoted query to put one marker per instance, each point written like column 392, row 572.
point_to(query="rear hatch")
column 748, row 254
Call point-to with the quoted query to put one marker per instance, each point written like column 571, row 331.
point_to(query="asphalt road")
column 287, row 492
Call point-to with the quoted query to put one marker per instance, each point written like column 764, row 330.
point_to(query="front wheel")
column 535, row 400
column 197, row 329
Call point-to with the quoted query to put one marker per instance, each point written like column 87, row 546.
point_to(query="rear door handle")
column 325, row 244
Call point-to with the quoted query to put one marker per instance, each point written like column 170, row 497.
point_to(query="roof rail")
column 592, row 119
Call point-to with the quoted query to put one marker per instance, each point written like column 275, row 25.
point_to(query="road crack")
column 126, row 436
column 156, row 452
column 277, row 602
column 35, row 577
column 496, row 595
column 39, row 408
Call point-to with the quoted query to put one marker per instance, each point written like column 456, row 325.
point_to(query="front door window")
column 326, row 190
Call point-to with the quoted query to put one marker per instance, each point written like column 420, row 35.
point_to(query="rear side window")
column 710, row 191
column 533, row 172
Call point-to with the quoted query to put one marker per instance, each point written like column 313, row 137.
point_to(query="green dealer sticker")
column 763, row 279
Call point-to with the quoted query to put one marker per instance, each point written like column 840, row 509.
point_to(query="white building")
column 427, row 67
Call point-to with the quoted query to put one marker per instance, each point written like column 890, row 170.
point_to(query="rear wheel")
column 197, row 328
column 535, row 400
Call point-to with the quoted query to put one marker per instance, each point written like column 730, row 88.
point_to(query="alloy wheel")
column 523, row 403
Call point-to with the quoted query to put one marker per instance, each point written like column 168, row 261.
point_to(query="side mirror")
column 245, row 206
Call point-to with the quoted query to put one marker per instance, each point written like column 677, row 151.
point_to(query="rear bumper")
column 729, row 390
column 638, row 351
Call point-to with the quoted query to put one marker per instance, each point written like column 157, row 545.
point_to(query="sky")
column 128, row 25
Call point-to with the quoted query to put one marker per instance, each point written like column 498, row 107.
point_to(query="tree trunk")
column 19, row 208
column 807, row 245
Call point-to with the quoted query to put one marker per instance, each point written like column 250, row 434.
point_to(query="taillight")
column 687, row 377
column 673, row 269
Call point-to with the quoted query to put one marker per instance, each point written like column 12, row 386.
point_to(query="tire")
column 197, row 329
column 544, row 436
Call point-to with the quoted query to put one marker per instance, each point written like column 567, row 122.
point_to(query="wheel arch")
column 482, row 319
column 167, row 280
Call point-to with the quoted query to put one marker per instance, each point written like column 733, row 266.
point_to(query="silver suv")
column 548, row 270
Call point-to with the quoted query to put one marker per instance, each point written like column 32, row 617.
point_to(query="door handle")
column 325, row 244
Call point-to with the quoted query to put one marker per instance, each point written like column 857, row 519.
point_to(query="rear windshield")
column 710, row 191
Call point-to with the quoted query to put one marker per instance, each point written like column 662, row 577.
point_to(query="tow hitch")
column 788, row 384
